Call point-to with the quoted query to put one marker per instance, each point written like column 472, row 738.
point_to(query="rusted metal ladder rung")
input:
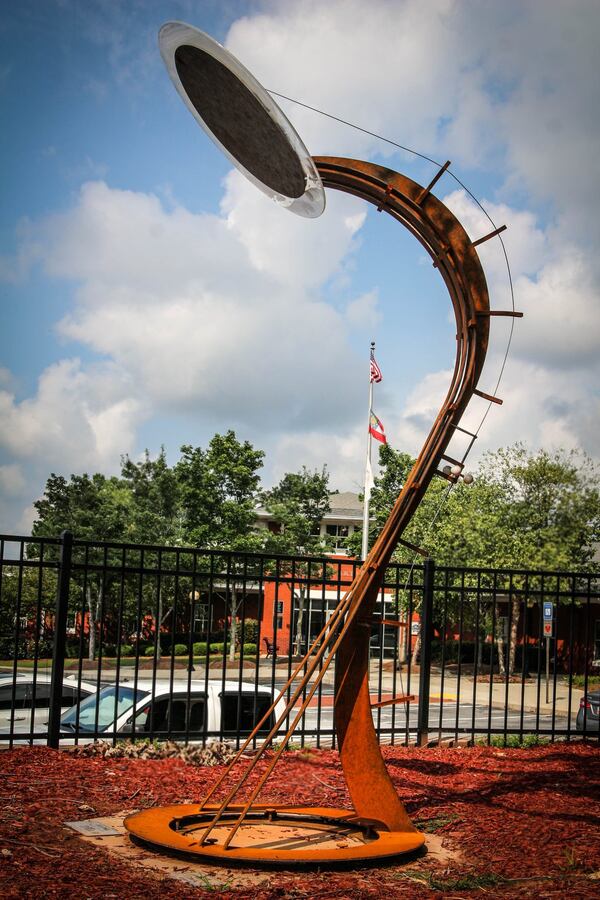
column 426, row 191
column 402, row 698
column 393, row 623
column 414, row 548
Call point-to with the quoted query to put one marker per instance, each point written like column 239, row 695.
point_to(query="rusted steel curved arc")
column 440, row 233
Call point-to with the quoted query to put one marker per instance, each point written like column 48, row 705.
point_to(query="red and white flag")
column 376, row 375
column 376, row 428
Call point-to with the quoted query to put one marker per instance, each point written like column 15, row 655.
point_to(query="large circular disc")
column 241, row 118
column 271, row 836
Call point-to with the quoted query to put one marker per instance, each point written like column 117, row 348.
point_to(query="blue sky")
column 151, row 296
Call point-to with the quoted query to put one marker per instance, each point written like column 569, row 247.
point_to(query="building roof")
column 345, row 505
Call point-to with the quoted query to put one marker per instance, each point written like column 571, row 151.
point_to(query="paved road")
column 471, row 719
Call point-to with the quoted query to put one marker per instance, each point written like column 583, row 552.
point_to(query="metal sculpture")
column 378, row 826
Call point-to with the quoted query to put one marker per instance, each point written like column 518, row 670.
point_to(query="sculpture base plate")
column 271, row 835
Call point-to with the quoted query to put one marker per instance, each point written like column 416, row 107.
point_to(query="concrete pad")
column 109, row 834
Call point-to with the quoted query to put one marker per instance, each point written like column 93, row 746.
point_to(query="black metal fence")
column 122, row 641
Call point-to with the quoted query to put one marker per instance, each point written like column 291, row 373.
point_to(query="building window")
column 279, row 622
column 279, row 606
column 339, row 531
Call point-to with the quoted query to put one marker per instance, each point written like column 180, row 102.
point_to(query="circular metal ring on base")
column 271, row 835
column 242, row 118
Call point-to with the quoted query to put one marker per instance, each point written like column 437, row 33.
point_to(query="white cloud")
column 298, row 253
column 223, row 317
column 78, row 419
column 209, row 313
column 12, row 480
column 510, row 87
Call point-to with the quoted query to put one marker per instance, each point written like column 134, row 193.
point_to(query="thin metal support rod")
column 371, row 571
column 309, row 657
column 373, row 566
column 380, row 552
column 327, row 662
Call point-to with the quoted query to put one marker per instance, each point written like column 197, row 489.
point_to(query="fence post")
column 60, row 636
column 425, row 655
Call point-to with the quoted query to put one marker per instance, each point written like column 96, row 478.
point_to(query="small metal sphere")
column 468, row 478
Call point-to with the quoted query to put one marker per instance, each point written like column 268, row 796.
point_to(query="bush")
column 109, row 650
column 127, row 650
column 149, row 651
column 7, row 648
column 200, row 648
column 250, row 632
column 181, row 650
column 592, row 682
column 249, row 649
column 72, row 648
column 217, row 648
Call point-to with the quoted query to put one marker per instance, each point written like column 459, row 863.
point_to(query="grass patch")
column 513, row 740
column 592, row 682
column 436, row 823
column 470, row 882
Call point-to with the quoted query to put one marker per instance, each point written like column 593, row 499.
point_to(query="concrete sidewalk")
column 530, row 696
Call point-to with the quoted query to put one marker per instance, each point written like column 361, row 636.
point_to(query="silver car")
column 25, row 701
column 164, row 709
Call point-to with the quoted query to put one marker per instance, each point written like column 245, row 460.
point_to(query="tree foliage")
column 297, row 504
column 219, row 490
column 524, row 511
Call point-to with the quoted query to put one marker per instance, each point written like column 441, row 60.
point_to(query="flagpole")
column 368, row 470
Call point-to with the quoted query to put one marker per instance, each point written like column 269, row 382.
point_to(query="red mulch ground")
column 527, row 822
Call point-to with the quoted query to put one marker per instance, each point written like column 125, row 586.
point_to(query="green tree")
column 394, row 470
column 93, row 508
column 524, row 510
column 297, row 504
column 219, row 489
column 155, row 515
column 155, row 511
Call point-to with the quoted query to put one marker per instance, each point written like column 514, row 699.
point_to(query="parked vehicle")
column 25, row 701
column 589, row 707
column 166, row 709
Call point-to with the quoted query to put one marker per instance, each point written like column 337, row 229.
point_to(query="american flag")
column 376, row 375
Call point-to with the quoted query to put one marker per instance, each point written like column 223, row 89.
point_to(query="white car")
column 24, row 710
column 162, row 710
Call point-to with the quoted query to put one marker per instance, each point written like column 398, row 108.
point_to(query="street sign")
column 548, row 618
